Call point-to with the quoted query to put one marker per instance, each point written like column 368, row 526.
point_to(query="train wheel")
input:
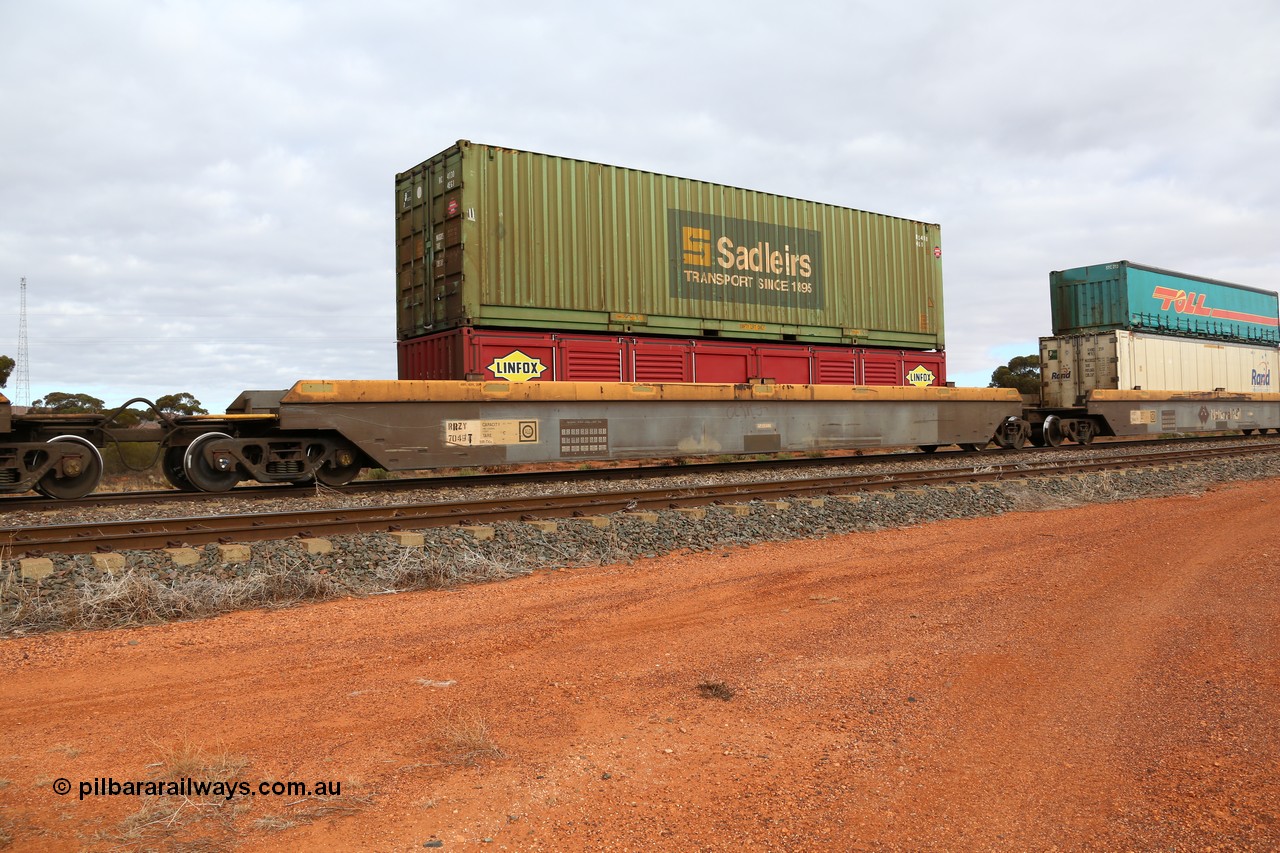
column 928, row 448
column 1012, row 434
column 200, row 473
column 80, row 476
column 1052, row 431
column 171, row 465
column 342, row 470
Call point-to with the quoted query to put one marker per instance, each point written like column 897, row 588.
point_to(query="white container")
column 1073, row 365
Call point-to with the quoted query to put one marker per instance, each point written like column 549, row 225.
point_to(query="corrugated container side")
column 1125, row 295
column 494, row 354
column 493, row 237
column 1073, row 365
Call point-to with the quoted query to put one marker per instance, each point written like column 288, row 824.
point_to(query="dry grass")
column 209, row 823
column 274, row 823
column 1027, row 499
column 716, row 690
column 318, row 807
column 187, row 760
column 466, row 740
column 136, row 599
column 176, row 822
column 420, row 569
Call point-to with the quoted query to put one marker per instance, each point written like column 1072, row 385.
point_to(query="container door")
column 655, row 360
column 447, row 217
column 882, row 367
column 722, row 363
column 1103, row 361
column 925, row 369
column 785, row 365
column 590, row 359
column 413, row 261
column 518, row 357
column 835, row 366
column 1062, row 364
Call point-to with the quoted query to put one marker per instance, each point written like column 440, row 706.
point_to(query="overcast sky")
column 200, row 194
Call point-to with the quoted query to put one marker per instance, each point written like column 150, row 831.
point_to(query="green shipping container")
column 497, row 238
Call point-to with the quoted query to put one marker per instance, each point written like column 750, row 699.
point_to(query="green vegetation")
column 1022, row 372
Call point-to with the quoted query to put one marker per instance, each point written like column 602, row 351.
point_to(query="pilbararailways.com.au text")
column 226, row 789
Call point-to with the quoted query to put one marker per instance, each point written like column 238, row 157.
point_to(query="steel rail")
column 191, row 531
column 34, row 503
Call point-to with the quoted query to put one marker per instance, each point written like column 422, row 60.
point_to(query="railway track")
column 190, row 531
column 37, row 503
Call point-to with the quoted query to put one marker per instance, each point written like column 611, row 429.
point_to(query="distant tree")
column 6, row 367
column 1022, row 372
column 68, row 404
column 180, row 404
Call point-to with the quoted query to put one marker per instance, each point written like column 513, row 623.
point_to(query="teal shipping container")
column 1125, row 295
column 496, row 238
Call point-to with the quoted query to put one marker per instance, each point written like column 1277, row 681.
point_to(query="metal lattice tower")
column 24, row 357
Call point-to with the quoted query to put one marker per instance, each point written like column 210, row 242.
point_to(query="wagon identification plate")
column 489, row 433
column 720, row 259
column 581, row 437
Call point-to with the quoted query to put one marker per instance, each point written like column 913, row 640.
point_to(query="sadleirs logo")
column 921, row 376
column 719, row 259
column 517, row 367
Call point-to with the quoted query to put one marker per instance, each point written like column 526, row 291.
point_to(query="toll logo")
column 1181, row 301
column 1191, row 303
column 715, row 258
column 1262, row 375
column 921, row 376
column 517, row 367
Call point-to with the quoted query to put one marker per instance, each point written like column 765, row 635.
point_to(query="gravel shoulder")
column 1095, row 677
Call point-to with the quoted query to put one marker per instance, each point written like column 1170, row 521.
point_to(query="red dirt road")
column 1099, row 678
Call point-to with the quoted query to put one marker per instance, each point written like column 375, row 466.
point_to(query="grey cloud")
column 201, row 194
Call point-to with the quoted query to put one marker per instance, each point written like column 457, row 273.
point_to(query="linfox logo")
column 517, row 367
column 762, row 257
column 1262, row 375
column 921, row 376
